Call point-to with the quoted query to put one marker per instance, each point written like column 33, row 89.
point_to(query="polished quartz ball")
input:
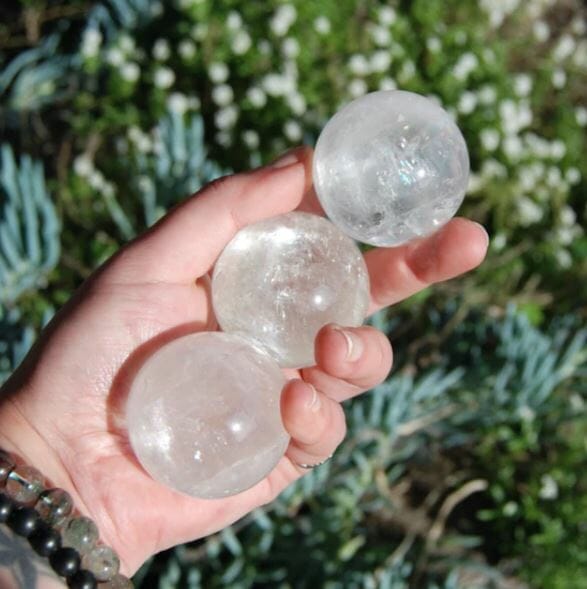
column 280, row 280
column 203, row 415
column 389, row 167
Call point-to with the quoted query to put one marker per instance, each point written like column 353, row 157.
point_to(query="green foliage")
column 465, row 468
column 29, row 229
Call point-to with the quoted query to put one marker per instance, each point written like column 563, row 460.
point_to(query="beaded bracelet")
column 46, row 518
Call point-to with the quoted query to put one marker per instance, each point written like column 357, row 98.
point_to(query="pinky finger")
column 315, row 423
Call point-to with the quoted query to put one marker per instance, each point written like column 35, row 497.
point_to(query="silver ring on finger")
column 311, row 466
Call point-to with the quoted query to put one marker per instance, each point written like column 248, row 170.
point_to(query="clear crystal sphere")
column 203, row 415
column 280, row 280
column 391, row 166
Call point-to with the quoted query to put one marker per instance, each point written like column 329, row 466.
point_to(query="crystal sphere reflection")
column 280, row 280
column 391, row 166
column 204, row 417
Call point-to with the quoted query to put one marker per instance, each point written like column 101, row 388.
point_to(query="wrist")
column 19, row 437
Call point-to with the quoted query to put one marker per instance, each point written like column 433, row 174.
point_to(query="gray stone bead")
column 24, row 484
column 117, row 582
column 103, row 562
column 54, row 506
column 7, row 464
column 80, row 533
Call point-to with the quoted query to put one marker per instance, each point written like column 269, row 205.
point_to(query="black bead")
column 24, row 521
column 6, row 507
column 82, row 580
column 45, row 540
column 65, row 562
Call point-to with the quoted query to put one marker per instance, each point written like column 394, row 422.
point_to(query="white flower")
column 134, row 134
column 529, row 211
column 91, row 42
column 499, row 242
column 161, row 50
column 357, row 88
column 489, row 139
column 178, row 102
column 527, row 179
column 218, row 72
column 549, row 488
column 83, row 166
column 564, row 48
column 527, row 413
column 558, row 149
column 381, row 36
column 290, row 48
column 156, row 9
column 186, row 49
column 387, row 15
column 513, row 147
column 282, row 20
column 407, row 72
column 257, row 97
column 126, row 43
column 251, row 139
column 487, row 95
column 515, row 116
column 278, row 84
column 564, row 258
column 200, row 31
column 115, row 57
column 264, row 47
column 296, row 102
column 465, row 66
column 96, row 180
column 194, row 102
column 568, row 216
column 523, row 85
column 359, row 65
column 380, row 61
column 554, row 177
column 224, row 138
column 541, row 31
column 145, row 184
column 130, row 72
column 511, row 507
column 581, row 116
column 436, row 99
column 322, row 25
column 222, row 95
column 234, row 21
column 387, row 84
column 559, row 78
column 226, row 117
column 164, row 77
column 292, row 131
column 241, row 43
column 433, row 44
column 467, row 103
column 573, row 176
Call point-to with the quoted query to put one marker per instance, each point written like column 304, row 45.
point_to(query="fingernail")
column 354, row 344
column 313, row 403
column 484, row 231
column 291, row 157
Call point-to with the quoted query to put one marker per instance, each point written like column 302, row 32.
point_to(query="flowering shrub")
column 266, row 76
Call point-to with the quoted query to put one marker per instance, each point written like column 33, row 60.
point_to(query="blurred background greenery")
column 466, row 469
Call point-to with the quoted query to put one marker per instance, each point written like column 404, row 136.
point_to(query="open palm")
column 63, row 410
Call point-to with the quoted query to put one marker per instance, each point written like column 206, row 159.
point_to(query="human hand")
column 63, row 410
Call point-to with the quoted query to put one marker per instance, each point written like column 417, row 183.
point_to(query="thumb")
column 185, row 243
